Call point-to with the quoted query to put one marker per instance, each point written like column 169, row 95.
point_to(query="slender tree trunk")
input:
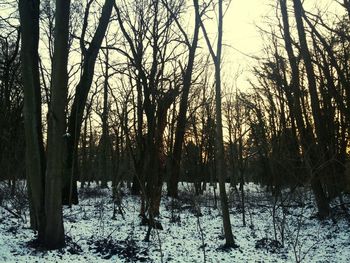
column 220, row 163
column 137, row 178
column 84, row 154
column 321, row 199
column 181, row 121
column 219, row 156
column 219, row 140
column 70, row 194
column 105, row 134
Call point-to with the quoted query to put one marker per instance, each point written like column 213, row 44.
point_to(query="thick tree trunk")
column 54, row 233
column 35, row 156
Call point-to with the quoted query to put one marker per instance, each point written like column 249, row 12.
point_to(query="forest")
column 125, row 135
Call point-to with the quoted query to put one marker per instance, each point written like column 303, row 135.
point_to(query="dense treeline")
column 128, row 91
column 11, row 105
column 302, row 103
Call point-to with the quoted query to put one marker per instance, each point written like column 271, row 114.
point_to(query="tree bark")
column 35, row 156
column 54, row 233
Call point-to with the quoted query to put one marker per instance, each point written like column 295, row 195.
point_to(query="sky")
column 242, row 36
column 240, row 22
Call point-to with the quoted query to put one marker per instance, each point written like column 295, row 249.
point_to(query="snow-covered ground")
column 192, row 231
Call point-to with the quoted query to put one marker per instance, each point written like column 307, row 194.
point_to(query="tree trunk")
column 54, row 233
column 140, row 152
column 219, row 140
column 105, row 134
column 69, row 192
column 181, row 121
column 84, row 154
column 35, row 156
column 322, row 202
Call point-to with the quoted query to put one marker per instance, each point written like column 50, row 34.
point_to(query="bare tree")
column 148, row 37
column 45, row 191
column 322, row 203
column 181, row 118
column 70, row 194
column 219, row 142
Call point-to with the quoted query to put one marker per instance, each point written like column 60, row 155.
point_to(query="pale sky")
column 241, row 36
column 240, row 24
column 241, row 32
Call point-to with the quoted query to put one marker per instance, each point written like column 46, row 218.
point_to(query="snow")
column 95, row 237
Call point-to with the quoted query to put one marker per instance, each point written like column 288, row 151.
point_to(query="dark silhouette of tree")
column 219, row 140
column 70, row 194
column 45, row 177
column 35, row 155
column 54, row 232
column 181, row 118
